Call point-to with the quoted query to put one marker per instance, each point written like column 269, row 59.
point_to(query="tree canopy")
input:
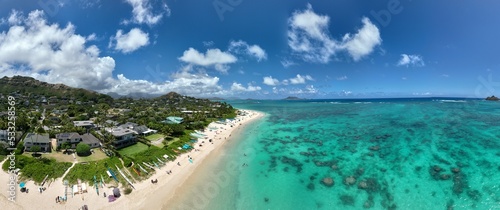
column 82, row 149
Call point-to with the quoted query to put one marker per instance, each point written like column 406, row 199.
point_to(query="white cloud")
column 91, row 37
column 309, row 38
column 220, row 60
column 183, row 82
column 270, row 81
column 445, row 75
column 308, row 35
column 309, row 89
column 240, row 88
column 252, row 50
column 213, row 57
column 55, row 54
column 363, row 42
column 221, row 68
column 142, row 12
column 15, row 17
column 287, row 63
column 411, row 60
column 130, row 41
column 299, row 79
column 51, row 53
column 342, row 78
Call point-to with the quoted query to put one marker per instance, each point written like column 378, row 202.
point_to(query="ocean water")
column 380, row 154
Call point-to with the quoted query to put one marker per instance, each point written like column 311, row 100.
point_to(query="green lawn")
column 136, row 148
column 154, row 137
column 97, row 155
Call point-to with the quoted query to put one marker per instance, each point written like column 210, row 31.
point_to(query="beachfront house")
column 72, row 138
column 41, row 140
column 75, row 138
column 123, row 137
column 91, row 140
column 173, row 120
column 137, row 129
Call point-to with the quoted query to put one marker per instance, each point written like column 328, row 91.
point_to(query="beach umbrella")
column 22, row 184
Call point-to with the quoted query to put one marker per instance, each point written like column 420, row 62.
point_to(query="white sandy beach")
column 146, row 195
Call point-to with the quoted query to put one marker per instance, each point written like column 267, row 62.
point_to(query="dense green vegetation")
column 37, row 168
column 56, row 106
column 82, row 149
column 28, row 85
column 86, row 171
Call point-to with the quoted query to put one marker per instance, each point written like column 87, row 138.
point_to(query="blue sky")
column 257, row 49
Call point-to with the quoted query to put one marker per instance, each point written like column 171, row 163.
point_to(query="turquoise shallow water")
column 380, row 154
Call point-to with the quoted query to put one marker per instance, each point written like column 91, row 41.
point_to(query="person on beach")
column 178, row 163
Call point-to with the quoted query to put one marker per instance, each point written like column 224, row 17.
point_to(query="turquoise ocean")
column 437, row 153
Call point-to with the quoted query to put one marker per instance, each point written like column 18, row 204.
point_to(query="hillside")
column 30, row 86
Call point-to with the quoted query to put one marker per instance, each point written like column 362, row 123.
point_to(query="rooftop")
column 68, row 135
column 41, row 138
column 121, row 132
column 89, row 139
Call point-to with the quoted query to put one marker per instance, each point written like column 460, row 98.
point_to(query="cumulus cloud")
column 183, row 82
column 220, row 60
column 309, row 89
column 309, row 38
column 213, row 57
column 55, row 54
column 252, row 50
column 130, row 41
column 308, row 35
column 142, row 12
column 32, row 47
column 363, row 42
column 270, row 81
column 240, row 88
column 15, row 17
column 411, row 60
column 299, row 79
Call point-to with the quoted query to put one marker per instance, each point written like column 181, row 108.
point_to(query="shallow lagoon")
column 379, row 154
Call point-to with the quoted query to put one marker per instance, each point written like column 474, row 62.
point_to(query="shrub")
column 127, row 161
column 127, row 190
column 19, row 149
column 82, row 149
